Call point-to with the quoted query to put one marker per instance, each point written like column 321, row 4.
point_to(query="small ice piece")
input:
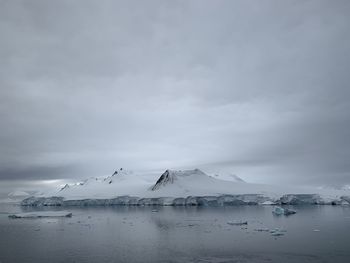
column 268, row 203
column 154, row 210
column 237, row 223
column 41, row 214
column 262, row 229
column 316, row 230
column 277, row 232
column 288, row 212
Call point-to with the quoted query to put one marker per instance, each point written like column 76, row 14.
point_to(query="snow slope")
column 229, row 177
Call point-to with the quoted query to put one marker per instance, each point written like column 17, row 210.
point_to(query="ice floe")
column 40, row 214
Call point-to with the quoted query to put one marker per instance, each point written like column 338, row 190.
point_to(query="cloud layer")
column 257, row 88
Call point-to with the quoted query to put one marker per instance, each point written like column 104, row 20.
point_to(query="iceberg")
column 278, row 210
column 237, row 223
column 283, row 211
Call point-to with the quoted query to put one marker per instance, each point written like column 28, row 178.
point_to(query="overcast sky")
column 256, row 88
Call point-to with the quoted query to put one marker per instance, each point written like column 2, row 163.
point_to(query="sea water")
column 177, row 234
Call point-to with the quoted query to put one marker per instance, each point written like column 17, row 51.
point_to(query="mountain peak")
column 170, row 176
column 119, row 171
column 120, row 174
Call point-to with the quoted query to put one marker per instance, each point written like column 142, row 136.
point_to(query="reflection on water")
column 177, row 234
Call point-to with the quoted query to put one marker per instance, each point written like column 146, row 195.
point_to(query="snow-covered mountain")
column 18, row 194
column 175, row 187
column 121, row 182
column 181, row 183
column 345, row 187
column 15, row 196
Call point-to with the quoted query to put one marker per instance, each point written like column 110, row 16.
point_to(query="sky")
column 259, row 89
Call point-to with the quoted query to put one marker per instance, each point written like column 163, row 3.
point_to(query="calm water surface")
column 177, row 234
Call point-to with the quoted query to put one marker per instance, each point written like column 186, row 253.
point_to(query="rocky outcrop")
column 170, row 176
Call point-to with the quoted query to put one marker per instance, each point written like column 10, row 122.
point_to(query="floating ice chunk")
column 237, row 223
column 343, row 202
column 277, row 232
column 268, row 203
column 283, row 211
column 262, row 229
column 40, row 214
column 288, row 212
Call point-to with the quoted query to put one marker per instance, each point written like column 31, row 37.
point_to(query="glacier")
column 181, row 188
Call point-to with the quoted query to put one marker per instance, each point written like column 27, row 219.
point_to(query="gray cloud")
column 257, row 88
